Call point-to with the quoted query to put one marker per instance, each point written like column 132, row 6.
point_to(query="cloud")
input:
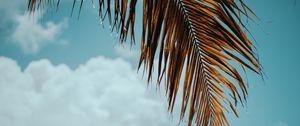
column 9, row 9
column 281, row 123
column 105, row 92
column 31, row 35
column 27, row 31
column 125, row 51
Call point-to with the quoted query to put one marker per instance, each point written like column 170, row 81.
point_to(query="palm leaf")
column 195, row 40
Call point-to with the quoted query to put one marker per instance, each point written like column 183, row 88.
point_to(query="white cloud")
column 10, row 8
column 28, row 32
column 101, row 92
column 31, row 35
column 125, row 51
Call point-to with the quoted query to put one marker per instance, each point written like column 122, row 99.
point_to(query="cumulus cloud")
column 101, row 92
column 31, row 35
column 27, row 31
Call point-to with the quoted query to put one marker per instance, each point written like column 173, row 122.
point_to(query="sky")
column 56, row 69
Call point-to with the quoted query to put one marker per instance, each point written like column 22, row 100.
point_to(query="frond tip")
column 197, row 40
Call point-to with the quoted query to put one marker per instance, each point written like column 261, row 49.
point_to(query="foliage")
column 195, row 40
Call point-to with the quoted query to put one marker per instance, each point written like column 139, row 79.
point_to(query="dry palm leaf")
column 196, row 40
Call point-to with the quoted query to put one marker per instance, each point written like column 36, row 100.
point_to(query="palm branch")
column 195, row 41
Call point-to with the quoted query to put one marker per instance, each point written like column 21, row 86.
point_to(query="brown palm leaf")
column 196, row 40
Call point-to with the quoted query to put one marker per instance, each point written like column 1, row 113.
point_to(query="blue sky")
column 65, row 48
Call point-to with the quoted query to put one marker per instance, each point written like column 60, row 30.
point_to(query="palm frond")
column 195, row 40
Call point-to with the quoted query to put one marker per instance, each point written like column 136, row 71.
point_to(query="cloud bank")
column 101, row 92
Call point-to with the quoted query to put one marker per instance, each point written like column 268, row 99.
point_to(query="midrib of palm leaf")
column 204, row 78
column 200, row 36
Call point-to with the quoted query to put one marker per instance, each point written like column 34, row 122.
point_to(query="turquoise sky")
column 274, row 102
